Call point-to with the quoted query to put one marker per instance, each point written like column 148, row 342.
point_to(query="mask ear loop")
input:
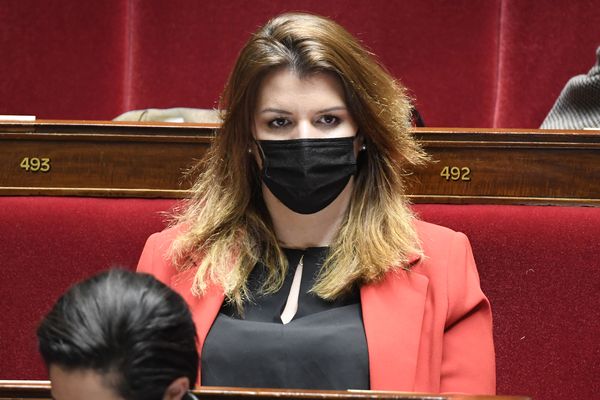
column 263, row 159
column 261, row 154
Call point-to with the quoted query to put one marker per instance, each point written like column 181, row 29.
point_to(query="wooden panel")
column 41, row 390
column 100, row 159
column 87, row 158
column 509, row 166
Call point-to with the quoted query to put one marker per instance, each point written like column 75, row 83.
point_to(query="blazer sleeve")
column 468, row 357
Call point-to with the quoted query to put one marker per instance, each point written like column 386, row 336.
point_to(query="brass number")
column 35, row 164
column 466, row 174
column 456, row 173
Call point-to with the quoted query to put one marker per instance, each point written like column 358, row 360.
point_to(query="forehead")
column 284, row 88
column 80, row 384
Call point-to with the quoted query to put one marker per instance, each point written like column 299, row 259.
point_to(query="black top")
column 323, row 347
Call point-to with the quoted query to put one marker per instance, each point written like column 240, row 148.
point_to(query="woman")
column 119, row 336
column 300, row 258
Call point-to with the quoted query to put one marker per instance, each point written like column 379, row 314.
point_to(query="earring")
column 363, row 147
column 249, row 150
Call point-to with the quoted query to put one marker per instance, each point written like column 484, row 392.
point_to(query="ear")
column 177, row 389
column 359, row 143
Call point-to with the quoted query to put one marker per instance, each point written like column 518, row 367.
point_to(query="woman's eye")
column 329, row 120
column 279, row 123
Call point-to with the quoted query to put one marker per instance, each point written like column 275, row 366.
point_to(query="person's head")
column 313, row 47
column 119, row 335
column 303, row 62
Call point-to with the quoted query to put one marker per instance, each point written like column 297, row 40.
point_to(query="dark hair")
column 126, row 324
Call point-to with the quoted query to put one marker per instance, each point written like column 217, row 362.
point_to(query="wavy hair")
column 228, row 228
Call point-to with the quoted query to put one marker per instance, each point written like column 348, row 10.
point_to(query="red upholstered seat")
column 540, row 267
column 49, row 243
column 494, row 63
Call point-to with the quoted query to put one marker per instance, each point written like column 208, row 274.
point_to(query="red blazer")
column 428, row 330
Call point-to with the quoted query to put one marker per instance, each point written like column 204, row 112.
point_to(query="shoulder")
column 160, row 242
column 429, row 232
column 447, row 253
column 155, row 258
column 168, row 235
column 437, row 240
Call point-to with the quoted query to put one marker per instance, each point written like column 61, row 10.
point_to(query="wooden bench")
column 108, row 159
column 41, row 390
column 109, row 184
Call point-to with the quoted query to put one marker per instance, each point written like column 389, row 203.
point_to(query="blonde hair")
column 228, row 229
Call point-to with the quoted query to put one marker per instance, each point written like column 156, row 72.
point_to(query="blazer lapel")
column 204, row 308
column 393, row 314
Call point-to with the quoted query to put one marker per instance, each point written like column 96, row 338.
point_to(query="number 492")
column 456, row 173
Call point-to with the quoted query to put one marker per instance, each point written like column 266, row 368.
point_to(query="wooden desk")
column 41, row 390
column 94, row 158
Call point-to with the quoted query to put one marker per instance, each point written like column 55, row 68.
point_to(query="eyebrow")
column 276, row 110
column 326, row 110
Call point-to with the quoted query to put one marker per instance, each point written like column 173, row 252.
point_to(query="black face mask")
column 306, row 175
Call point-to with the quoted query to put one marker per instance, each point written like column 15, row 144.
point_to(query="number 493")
column 35, row 164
